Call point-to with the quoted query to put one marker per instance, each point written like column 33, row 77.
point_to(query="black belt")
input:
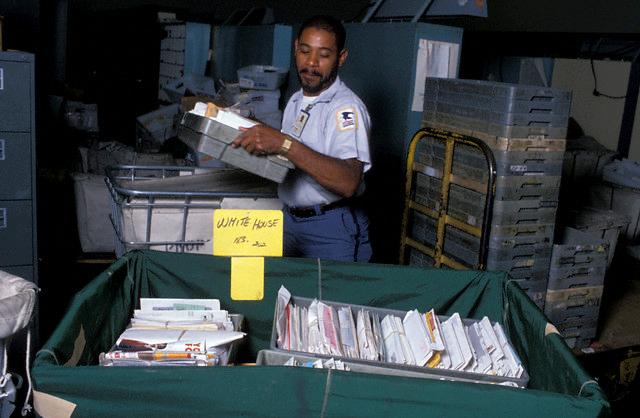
column 309, row 211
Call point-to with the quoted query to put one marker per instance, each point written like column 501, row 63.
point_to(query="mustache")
column 310, row 71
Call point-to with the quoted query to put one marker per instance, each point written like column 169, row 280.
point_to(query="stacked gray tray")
column 584, row 160
column 212, row 140
column 528, row 148
column 500, row 109
column 606, row 224
column 576, row 278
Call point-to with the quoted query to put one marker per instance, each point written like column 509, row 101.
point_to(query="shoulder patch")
column 346, row 119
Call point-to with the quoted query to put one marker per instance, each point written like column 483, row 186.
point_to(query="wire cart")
column 171, row 208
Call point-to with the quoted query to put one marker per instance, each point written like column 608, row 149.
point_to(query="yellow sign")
column 239, row 232
column 247, row 236
column 247, row 278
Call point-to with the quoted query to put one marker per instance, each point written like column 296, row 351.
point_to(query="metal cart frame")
column 123, row 197
column 443, row 219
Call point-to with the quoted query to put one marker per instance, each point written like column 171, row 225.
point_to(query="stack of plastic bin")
column 263, row 96
column 501, row 109
column 525, row 128
column 584, row 161
column 605, row 224
column 576, row 278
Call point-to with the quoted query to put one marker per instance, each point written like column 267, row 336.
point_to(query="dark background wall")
column 604, row 16
column 542, row 28
column 586, row 16
column 21, row 23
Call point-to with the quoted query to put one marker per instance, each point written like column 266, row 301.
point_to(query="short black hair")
column 329, row 24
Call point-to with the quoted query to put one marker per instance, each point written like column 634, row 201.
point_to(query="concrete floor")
column 613, row 359
column 620, row 317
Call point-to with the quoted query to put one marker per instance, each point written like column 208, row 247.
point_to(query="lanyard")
column 301, row 120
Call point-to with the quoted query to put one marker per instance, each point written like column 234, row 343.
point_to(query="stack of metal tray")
column 576, row 279
column 575, row 313
column 524, row 126
column 501, row 109
column 524, row 207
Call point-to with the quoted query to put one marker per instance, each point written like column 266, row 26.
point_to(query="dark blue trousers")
column 340, row 234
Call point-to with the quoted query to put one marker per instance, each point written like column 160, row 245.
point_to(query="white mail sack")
column 17, row 299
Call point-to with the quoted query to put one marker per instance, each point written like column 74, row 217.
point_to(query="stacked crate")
column 605, row 224
column 576, row 278
column 584, row 161
column 262, row 96
column 172, row 55
column 525, row 128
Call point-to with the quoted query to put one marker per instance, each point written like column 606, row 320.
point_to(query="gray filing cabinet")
column 382, row 68
column 18, row 244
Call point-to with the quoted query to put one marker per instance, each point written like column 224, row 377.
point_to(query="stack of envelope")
column 417, row 339
column 175, row 332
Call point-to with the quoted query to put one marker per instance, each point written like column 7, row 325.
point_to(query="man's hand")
column 259, row 140
column 342, row 177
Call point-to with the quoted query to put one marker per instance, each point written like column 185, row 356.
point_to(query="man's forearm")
column 341, row 177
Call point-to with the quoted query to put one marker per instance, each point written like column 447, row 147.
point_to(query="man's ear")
column 343, row 57
column 295, row 46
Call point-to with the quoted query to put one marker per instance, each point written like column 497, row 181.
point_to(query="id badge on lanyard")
column 301, row 121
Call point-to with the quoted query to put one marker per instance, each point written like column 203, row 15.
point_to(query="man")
column 325, row 134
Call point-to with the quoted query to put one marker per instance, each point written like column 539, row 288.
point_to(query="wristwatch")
column 286, row 145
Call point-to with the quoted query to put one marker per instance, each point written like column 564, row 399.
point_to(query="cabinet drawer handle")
column 3, row 218
column 2, row 154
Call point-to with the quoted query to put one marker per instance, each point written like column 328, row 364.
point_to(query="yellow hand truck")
column 440, row 170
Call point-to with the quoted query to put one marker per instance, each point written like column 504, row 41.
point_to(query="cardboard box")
column 261, row 77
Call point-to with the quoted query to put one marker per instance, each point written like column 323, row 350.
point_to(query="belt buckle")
column 307, row 212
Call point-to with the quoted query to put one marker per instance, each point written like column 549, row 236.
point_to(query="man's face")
column 317, row 60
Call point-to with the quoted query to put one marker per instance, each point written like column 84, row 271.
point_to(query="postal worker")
column 325, row 134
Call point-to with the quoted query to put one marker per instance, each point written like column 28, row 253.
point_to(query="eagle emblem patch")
column 346, row 119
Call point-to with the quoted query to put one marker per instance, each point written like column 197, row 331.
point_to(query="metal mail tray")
column 212, row 140
column 433, row 373
column 280, row 357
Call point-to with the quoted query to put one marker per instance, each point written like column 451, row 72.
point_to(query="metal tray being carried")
column 212, row 140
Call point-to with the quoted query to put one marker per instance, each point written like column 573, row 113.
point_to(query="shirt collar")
column 326, row 96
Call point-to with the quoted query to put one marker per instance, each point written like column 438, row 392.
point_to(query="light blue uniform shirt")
column 336, row 124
